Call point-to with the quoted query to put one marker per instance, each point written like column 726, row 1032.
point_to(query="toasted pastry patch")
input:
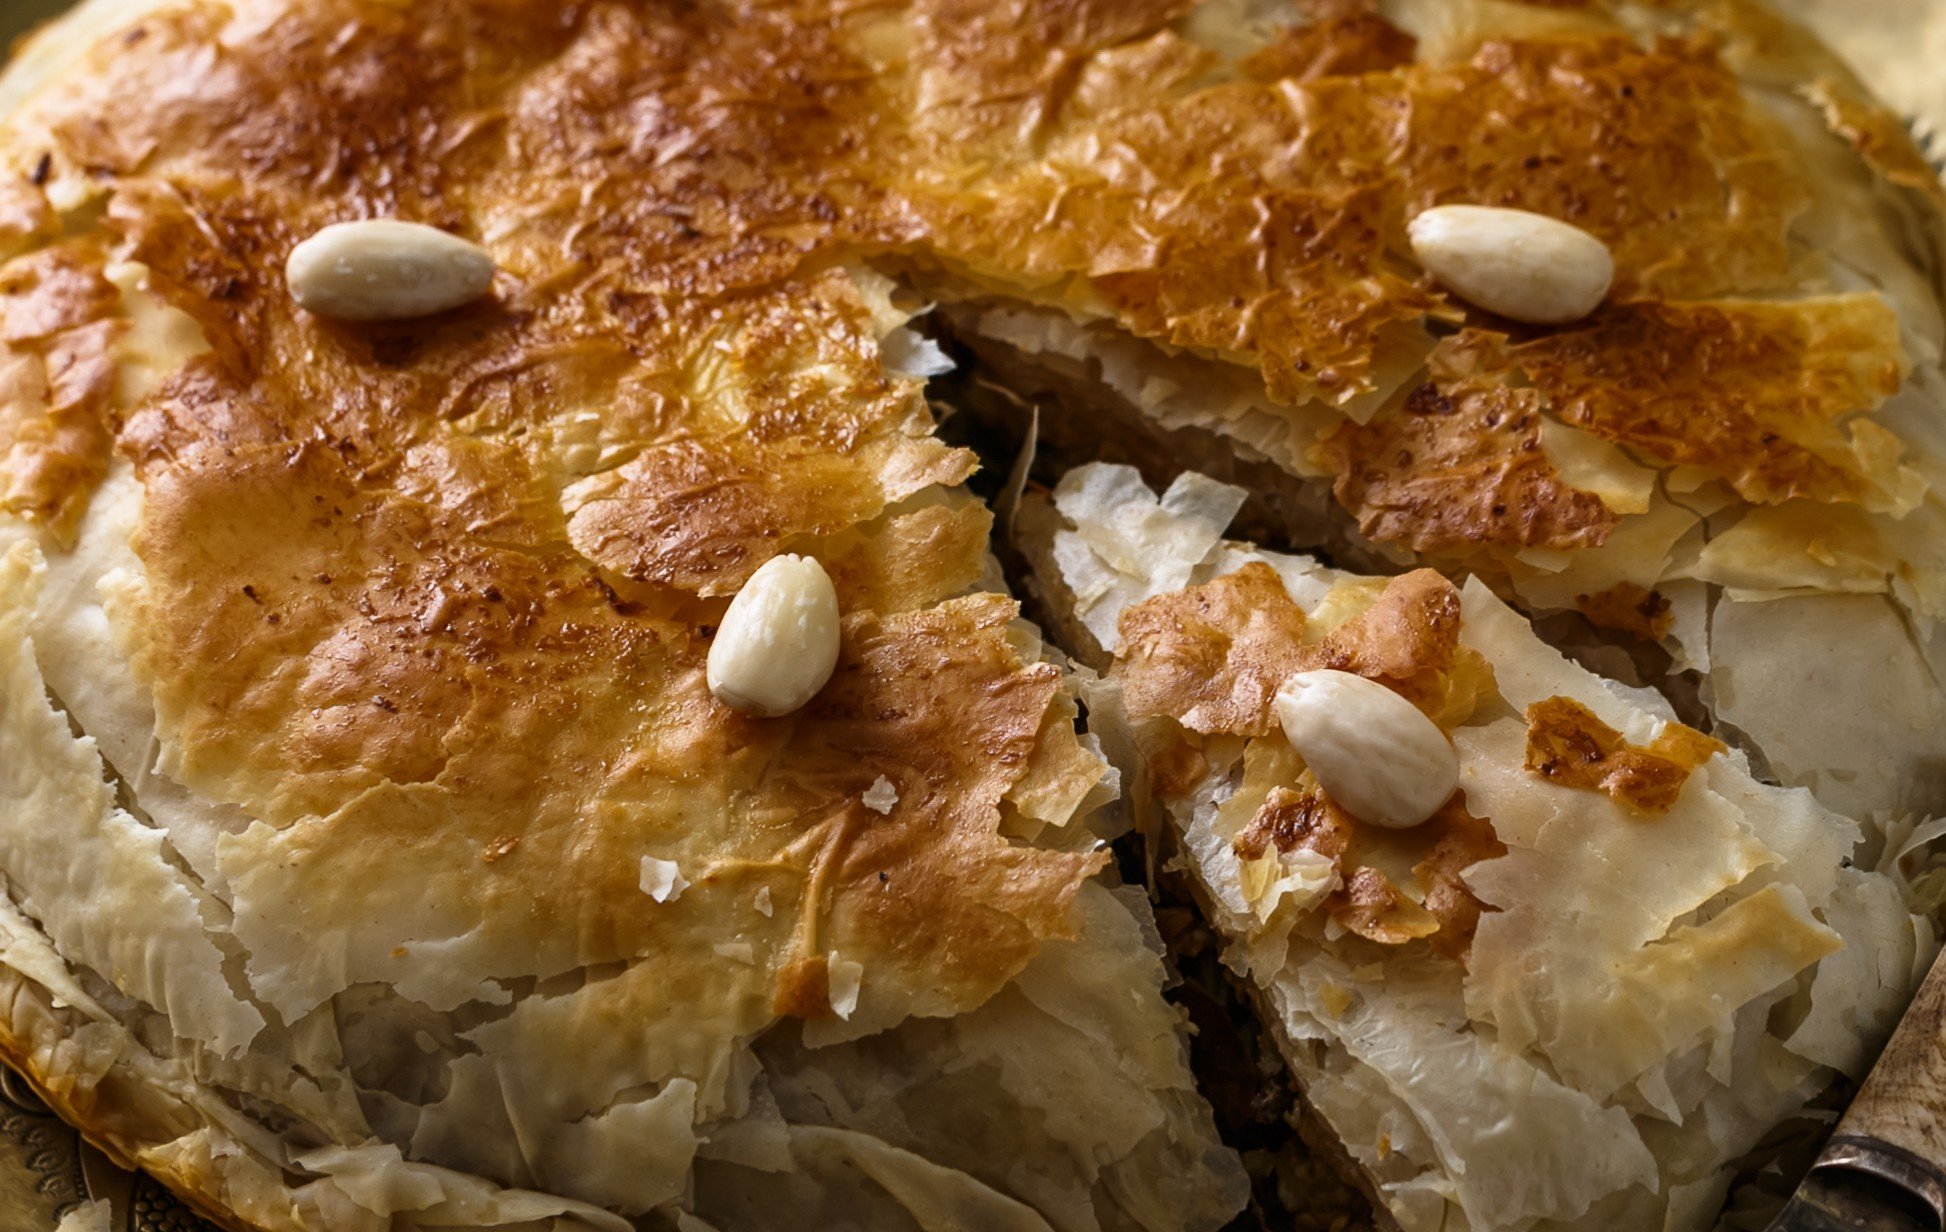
column 1371, row 906
column 1409, row 641
column 1463, row 840
column 1366, row 901
column 1289, row 820
column 1346, row 38
column 1766, row 394
column 1458, row 465
column 1628, row 607
column 1699, row 204
column 1212, row 656
column 1567, row 744
column 59, row 320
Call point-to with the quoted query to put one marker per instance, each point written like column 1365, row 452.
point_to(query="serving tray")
column 47, row 1171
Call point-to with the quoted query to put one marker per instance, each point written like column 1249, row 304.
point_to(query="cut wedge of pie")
column 1581, row 990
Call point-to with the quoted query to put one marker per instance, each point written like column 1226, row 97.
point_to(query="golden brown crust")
column 1291, row 820
column 909, row 562
column 1300, row 205
column 57, row 326
column 1569, row 745
column 1877, row 135
column 498, row 678
column 1175, row 766
column 1654, row 150
column 1367, row 902
column 1280, row 246
column 1462, row 840
column 1343, row 38
column 803, row 988
column 812, row 455
column 436, row 595
column 123, row 1129
column 1212, row 657
column 1628, row 607
column 1459, row 464
column 1784, row 383
column 1369, row 905
column 25, row 215
column 932, row 889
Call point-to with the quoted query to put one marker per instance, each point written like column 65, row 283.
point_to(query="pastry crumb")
column 845, row 979
column 662, row 880
column 881, row 796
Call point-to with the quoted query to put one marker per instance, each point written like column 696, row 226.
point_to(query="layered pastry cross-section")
column 1576, row 994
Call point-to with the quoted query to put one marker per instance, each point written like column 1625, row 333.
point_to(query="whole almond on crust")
column 382, row 269
column 778, row 642
column 1524, row 266
column 1376, row 755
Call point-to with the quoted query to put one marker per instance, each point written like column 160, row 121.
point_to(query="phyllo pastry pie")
column 511, row 719
column 1538, row 954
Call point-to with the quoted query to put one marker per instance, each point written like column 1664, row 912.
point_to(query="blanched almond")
column 1375, row 754
column 778, row 641
column 1523, row 266
column 381, row 269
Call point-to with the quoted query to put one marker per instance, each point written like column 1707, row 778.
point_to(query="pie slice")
column 1580, row 990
